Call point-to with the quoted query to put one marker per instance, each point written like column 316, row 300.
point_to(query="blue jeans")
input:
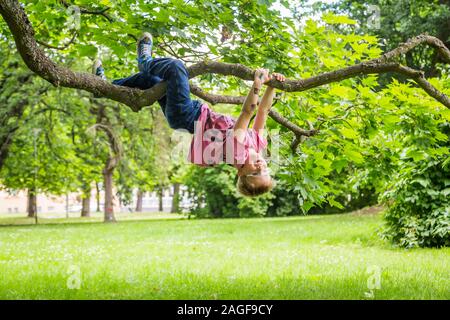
column 180, row 111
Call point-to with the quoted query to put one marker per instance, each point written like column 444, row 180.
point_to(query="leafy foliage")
column 400, row 20
column 419, row 206
column 377, row 134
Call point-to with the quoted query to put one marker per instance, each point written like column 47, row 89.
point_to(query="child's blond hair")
column 251, row 189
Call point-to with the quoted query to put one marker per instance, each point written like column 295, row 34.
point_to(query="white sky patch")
column 286, row 13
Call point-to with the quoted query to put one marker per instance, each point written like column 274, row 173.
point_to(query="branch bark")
column 35, row 58
column 136, row 99
column 112, row 162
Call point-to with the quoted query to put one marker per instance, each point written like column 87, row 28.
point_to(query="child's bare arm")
column 250, row 105
column 266, row 103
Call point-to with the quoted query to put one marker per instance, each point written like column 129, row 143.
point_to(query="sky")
column 286, row 13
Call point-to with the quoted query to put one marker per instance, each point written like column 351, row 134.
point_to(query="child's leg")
column 181, row 111
column 142, row 81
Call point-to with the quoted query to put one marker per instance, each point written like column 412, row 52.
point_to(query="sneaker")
column 98, row 70
column 144, row 49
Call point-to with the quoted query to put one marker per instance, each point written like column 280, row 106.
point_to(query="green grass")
column 7, row 219
column 311, row 257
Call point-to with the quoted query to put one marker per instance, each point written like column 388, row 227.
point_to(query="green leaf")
column 446, row 191
column 353, row 155
column 337, row 19
column 423, row 182
column 342, row 92
column 339, row 164
column 349, row 133
column 334, row 203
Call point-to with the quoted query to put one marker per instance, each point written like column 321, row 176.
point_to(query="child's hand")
column 279, row 77
column 264, row 76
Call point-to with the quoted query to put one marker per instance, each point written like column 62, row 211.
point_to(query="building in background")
column 16, row 203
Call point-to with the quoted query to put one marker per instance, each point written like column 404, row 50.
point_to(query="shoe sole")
column 146, row 35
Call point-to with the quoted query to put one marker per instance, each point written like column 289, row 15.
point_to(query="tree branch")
column 56, row 47
column 101, row 12
column 136, row 99
column 214, row 98
column 291, row 126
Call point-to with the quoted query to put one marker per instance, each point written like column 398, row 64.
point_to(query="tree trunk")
column 109, row 205
column 160, row 197
column 86, row 204
column 97, row 196
column 32, row 203
column 140, row 197
column 176, row 198
column 5, row 143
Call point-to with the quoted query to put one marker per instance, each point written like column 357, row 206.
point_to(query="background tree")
column 106, row 124
column 19, row 89
column 41, row 158
column 400, row 21
column 137, row 170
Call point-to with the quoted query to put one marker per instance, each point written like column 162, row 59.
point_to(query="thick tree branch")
column 38, row 62
column 414, row 42
column 378, row 65
column 35, row 58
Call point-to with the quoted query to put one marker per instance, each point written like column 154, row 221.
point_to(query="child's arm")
column 266, row 104
column 250, row 104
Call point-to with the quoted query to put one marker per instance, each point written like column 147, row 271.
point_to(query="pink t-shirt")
column 214, row 142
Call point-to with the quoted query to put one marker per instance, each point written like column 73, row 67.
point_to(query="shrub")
column 213, row 194
column 418, row 202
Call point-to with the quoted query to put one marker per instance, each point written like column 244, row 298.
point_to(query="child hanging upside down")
column 217, row 138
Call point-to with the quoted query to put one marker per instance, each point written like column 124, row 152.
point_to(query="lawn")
column 307, row 257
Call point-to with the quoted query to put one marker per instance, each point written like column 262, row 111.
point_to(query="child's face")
column 256, row 173
column 256, row 165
